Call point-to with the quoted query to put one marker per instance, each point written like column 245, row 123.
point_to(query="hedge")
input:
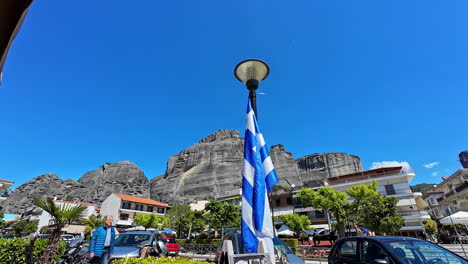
column 216, row 242
column 13, row 250
column 292, row 243
column 153, row 260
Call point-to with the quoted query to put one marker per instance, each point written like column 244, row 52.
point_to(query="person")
column 316, row 238
column 332, row 237
column 101, row 246
column 364, row 231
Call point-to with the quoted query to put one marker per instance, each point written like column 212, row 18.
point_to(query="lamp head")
column 251, row 72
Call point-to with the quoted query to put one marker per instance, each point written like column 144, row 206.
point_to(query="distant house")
column 125, row 207
column 391, row 181
column 4, row 185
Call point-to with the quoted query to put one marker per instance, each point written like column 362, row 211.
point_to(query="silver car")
column 139, row 244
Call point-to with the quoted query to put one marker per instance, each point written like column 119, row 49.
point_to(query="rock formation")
column 313, row 169
column 211, row 167
column 93, row 187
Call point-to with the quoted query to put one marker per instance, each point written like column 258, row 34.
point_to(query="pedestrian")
column 315, row 238
column 364, row 231
column 101, row 246
column 332, row 237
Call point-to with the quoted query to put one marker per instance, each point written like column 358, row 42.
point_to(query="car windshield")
column 423, row 252
column 132, row 239
column 171, row 240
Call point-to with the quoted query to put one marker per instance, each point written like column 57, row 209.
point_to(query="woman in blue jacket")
column 101, row 246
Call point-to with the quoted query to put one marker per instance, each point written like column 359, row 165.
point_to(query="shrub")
column 14, row 250
column 292, row 243
column 152, row 260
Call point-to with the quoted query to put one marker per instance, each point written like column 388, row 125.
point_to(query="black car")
column 390, row 250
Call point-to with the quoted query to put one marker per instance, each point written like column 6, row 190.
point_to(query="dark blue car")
column 390, row 250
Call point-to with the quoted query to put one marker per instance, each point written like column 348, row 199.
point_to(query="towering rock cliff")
column 210, row 167
column 315, row 168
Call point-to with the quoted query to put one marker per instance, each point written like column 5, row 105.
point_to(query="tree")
column 61, row 215
column 178, row 217
column 146, row 220
column 221, row 214
column 375, row 211
column 296, row 222
column 25, row 227
column 196, row 222
column 92, row 222
column 430, row 226
column 327, row 199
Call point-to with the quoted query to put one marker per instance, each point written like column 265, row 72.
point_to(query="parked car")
column 6, row 236
column 238, row 247
column 390, row 250
column 67, row 238
column 139, row 244
column 172, row 246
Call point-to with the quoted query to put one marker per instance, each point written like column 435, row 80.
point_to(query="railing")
column 198, row 251
column 312, row 252
column 412, row 212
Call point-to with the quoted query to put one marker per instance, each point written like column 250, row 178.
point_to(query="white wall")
column 111, row 206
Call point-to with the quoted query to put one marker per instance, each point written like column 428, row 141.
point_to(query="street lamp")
column 252, row 72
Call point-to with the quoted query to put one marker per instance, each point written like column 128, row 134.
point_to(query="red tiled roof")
column 375, row 173
column 2, row 180
column 88, row 204
column 140, row 200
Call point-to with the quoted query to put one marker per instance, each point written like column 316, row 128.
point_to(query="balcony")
column 412, row 212
column 440, row 199
column 452, row 192
column 462, row 187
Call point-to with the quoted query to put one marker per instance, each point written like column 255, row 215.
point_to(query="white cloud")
column 435, row 173
column 382, row 164
column 431, row 165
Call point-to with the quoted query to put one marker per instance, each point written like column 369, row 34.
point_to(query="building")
column 198, row 205
column 125, row 207
column 4, row 185
column 391, row 181
column 451, row 194
column 35, row 213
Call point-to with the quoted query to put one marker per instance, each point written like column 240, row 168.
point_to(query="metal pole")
column 253, row 101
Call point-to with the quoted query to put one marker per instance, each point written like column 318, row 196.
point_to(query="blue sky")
column 88, row 82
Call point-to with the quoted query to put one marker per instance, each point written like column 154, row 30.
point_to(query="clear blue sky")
column 88, row 82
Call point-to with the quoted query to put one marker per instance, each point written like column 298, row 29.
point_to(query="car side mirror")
column 380, row 261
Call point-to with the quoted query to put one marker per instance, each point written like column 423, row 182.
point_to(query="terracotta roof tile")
column 140, row 200
column 2, row 180
column 88, row 204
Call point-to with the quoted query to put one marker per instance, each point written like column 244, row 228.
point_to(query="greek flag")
column 258, row 179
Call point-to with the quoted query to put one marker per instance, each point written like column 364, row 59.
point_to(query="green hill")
column 422, row 187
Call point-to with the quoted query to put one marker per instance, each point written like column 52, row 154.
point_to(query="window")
column 126, row 206
column 371, row 251
column 150, row 209
column 289, row 201
column 160, row 210
column 347, row 250
column 124, row 217
column 319, row 214
column 139, row 207
column 389, row 189
column 278, row 202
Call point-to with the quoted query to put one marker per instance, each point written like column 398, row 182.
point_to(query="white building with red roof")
column 125, row 207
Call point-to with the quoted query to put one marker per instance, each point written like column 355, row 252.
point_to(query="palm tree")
column 61, row 215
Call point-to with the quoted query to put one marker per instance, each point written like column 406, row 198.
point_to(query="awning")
column 323, row 226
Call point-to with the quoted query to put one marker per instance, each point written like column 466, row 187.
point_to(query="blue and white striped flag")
column 258, row 179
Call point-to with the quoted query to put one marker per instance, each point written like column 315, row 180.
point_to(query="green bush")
column 292, row 243
column 14, row 250
column 152, row 260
